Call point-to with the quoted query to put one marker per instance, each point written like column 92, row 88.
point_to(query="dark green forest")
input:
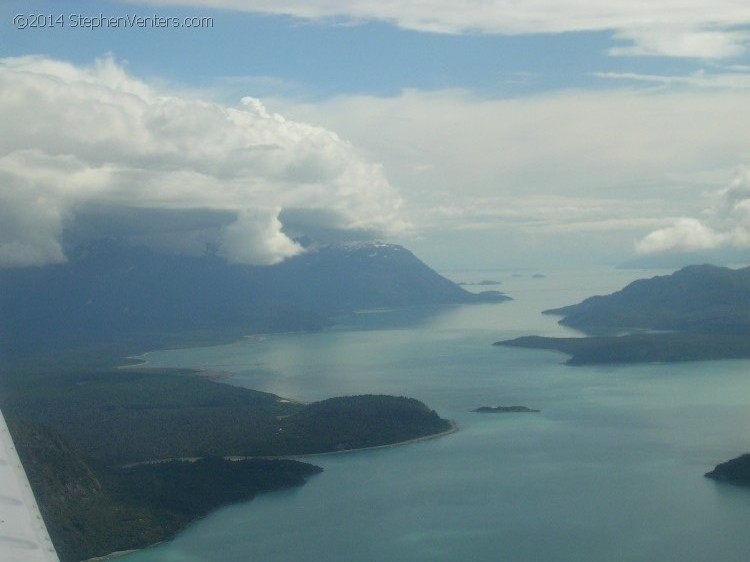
column 85, row 433
column 92, row 509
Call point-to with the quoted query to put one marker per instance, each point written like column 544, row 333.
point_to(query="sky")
column 477, row 133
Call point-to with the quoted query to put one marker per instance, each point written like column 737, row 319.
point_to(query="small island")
column 503, row 409
column 482, row 283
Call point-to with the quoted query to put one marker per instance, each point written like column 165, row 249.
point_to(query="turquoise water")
column 610, row 470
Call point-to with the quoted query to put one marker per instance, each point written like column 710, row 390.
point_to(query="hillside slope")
column 695, row 298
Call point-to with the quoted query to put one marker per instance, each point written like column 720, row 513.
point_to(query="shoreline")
column 140, row 362
column 121, row 553
column 452, row 429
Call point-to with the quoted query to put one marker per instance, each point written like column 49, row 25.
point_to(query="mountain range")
column 697, row 313
column 109, row 289
column 698, row 298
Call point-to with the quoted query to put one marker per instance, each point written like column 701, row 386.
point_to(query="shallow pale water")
column 611, row 469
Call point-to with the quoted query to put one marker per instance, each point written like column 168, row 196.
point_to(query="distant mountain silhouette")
column 676, row 260
column 703, row 298
column 108, row 288
column 700, row 312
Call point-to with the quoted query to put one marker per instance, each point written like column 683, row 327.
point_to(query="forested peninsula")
column 123, row 459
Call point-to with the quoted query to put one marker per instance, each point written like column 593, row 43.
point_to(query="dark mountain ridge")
column 695, row 298
column 700, row 312
column 108, row 288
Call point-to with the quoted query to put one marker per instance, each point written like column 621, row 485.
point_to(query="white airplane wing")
column 23, row 534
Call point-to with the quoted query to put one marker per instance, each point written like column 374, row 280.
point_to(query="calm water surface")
column 610, row 470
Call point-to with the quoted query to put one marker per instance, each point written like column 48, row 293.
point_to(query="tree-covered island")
column 504, row 410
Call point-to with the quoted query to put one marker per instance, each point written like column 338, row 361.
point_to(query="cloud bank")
column 674, row 28
column 725, row 224
column 617, row 159
column 73, row 138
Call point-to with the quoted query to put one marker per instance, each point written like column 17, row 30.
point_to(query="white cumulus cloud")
column 726, row 224
column 686, row 234
column 72, row 137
